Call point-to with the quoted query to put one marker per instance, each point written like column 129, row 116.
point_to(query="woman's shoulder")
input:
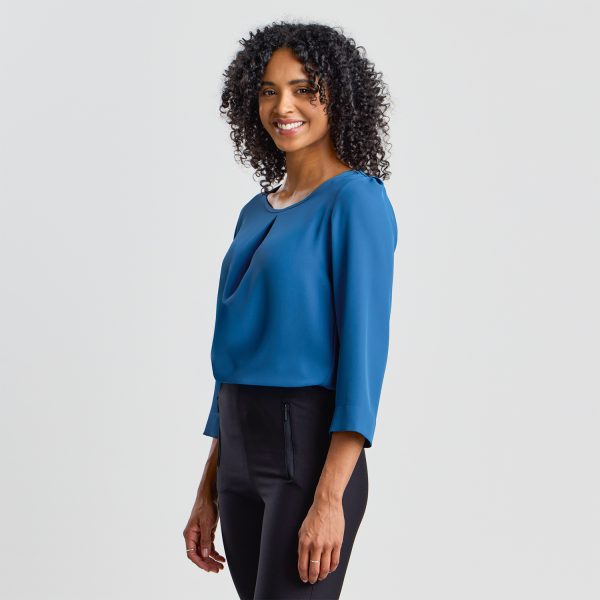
column 364, row 202
column 362, row 192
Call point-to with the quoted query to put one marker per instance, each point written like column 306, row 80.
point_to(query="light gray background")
column 119, row 195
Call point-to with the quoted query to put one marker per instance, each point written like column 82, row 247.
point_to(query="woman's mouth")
column 291, row 128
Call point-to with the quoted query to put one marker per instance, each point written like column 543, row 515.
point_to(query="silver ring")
column 315, row 561
column 189, row 549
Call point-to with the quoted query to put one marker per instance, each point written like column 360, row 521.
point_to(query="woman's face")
column 285, row 94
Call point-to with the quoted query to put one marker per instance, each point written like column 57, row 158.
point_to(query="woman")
column 301, row 335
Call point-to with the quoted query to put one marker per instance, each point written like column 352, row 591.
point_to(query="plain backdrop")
column 119, row 194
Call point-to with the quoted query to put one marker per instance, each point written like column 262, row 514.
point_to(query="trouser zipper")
column 219, row 448
column 287, row 434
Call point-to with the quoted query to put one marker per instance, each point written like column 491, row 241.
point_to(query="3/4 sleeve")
column 363, row 240
column 212, row 423
column 211, row 427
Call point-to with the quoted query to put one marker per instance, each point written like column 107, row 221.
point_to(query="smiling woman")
column 284, row 126
column 298, row 125
column 287, row 107
column 311, row 73
column 302, row 320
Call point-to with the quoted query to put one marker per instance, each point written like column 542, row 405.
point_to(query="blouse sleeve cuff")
column 212, row 423
column 347, row 418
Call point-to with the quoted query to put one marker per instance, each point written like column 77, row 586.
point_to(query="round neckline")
column 310, row 195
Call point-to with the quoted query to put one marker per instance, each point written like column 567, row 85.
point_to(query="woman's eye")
column 308, row 90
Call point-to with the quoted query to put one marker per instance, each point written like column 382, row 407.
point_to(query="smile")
column 289, row 128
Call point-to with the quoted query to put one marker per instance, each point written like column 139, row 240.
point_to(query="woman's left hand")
column 320, row 538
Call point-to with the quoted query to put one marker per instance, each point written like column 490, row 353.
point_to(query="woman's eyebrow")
column 291, row 82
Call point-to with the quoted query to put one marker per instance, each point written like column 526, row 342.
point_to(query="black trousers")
column 273, row 442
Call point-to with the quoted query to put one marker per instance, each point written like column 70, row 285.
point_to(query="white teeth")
column 290, row 125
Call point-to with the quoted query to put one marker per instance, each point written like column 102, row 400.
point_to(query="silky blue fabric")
column 305, row 296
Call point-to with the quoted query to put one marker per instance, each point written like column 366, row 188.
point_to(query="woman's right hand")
column 199, row 535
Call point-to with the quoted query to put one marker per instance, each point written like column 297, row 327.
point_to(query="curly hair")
column 356, row 106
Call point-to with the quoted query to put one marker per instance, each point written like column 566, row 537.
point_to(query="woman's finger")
column 303, row 561
column 215, row 554
column 335, row 557
column 192, row 538
column 314, row 564
column 325, row 562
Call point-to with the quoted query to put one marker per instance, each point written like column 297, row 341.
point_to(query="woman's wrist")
column 208, row 498
column 207, row 490
column 329, row 494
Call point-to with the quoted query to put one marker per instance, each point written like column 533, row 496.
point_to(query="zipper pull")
column 285, row 411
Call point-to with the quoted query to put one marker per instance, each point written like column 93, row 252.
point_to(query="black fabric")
column 273, row 442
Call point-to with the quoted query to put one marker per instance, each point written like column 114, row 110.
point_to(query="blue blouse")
column 305, row 296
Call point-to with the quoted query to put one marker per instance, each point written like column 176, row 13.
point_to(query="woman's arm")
column 363, row 240
column 207, row 489
column 199, row 533
column 324, row 523
column 344, row 450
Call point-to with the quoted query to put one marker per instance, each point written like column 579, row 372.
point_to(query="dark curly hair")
column 355, row 111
